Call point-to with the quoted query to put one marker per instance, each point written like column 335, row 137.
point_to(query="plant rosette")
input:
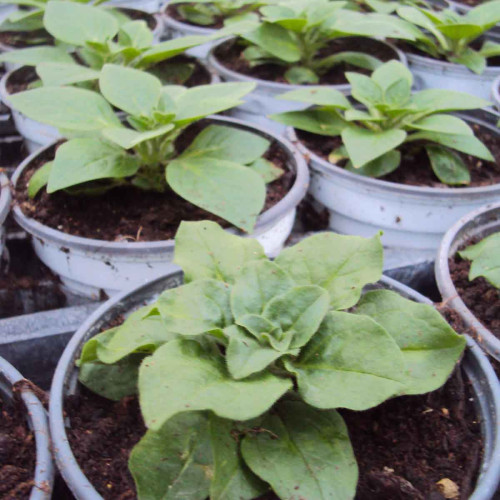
column 470, row 240
column 5, row 199
column 252, row 355
column 36, row 417
column 365, row 158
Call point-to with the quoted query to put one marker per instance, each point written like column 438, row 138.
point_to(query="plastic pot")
column 263, row 101
column 478, row 370
column 411, row 217
column 6, row 10
column 149, row 6
column 477, row 224
column 495, row 93
column 37, row 421
column 87, row 266
column 4, row 208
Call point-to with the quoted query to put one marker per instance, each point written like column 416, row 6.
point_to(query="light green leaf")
column 358, row 59
column 266, row 169
column 36, row 55
column 436, row 100
column 471, row 59
column 58, row 74
column 485, row 257
column 461, row 30
column 300, row 75
column 448, row 166
column 447, row 124
column 317, row 121
column 39, row 179
column 135, row 34
column 379, row 167
column 321, row 96
column 262, row 329
column 364, row 89
column 128, row 138
column 390, row 73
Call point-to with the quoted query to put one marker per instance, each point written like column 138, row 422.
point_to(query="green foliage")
column 295, row 33
column 239, row 391
column 485, row 259
column 216, row 172
column 450, row 35
column 388, row 116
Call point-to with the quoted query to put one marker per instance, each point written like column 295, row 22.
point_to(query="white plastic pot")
column 495, row 92
column 411, row 217
column 6, row 10
column 4, row 208
column 88, row 266
column 149, row 6
column 263, row 101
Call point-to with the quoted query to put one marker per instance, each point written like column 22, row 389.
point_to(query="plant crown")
column 221, row 171
column 240, row 370
column 389, row 116
column 485, row 259
column 453, row 36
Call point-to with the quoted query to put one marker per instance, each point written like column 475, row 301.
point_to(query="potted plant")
column 395, row 160
column 4, row 207
column 303, row 43
column 453, row 50
column 167, row 172
column 467, row 274
column 240, row 371
column 26, row 467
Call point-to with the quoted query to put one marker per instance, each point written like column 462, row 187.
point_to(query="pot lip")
column 276, row 212
column 5, row 197
column 318, row 163
column 174, row 24
column 223, row 71
column 447, row 287
column 495, row 91
column 37, row 417
column 63, row 377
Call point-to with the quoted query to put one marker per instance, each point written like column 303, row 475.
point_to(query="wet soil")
column 415, row 168
column 230, row 55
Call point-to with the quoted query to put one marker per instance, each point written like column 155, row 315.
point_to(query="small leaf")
column 448, row 166
column 299, row 75
column 135, row 34
column 485, row 257
column 364, row 89
column 317, row 121
column 379, row 167
column 58, row 74
column 437, row 100
column 321, row 96
column 128, row 138
column 447, row 124
column 36, row 55
column 39, row 179
column 266, row 169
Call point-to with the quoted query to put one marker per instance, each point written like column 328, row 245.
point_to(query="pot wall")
column 149, row 6
column 4, row 208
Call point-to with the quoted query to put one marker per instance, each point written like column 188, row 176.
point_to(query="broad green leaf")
column 77, row 23
column 266, row 169
column 128, row 138
column 390, row 73
column 261, row 328
column 200, row 15
column 196, row 308
column 84, row 160
column 365, row 145
column 181, row 376
column 305, row 453
column 484, row 14
column 430, row 347
column 89, row 349
column 342, row 265
column 174, row 462
column 448, row 166
column 131, row 90
column 471, row 59
column 447, row 124
column 204, row 250
column 379, row 167
column 300, row 75
column 321, row 96
column 485, row 257
column 66, row 108
column 227, row 143
column 364, row 89
column 58, row 74
column 358, row 59
column 398, row 93
column 39, row 179
column 135, row 34
column 23, row 21
column 36, row 55
column 436, row 100
column 490, row 49
column 317, row 121
column 216, row 186
column 257, row 284
column 351, row 362
column 461, row 30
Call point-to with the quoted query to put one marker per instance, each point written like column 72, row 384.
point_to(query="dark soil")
column 173, row 12
column 415, row 168
column 230, row 55
column 471, row 3
column 17, row 453
column 24, row 39
column 130, row 214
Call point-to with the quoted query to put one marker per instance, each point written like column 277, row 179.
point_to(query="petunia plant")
column 222, row 170
column 388, row 117
column 240, row 371
column 455, row 37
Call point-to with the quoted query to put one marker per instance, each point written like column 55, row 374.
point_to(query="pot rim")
column 284, row 87
column 37, row 418
column 5, row 197
column 174, row 24
column 64, row 377
column 495, row 91
column 267, row 218
column 319, row 163
column 447, row 287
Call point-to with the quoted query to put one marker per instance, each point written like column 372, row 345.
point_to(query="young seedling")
column 455, row 37
column 388, row 117
column 295, row 34
column 222, row 170
column 240, row 371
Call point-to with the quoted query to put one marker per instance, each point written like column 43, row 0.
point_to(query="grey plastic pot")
column 4, row 207
column 479, row 371
column 87, row 266
column 263, row 101
column 478, row 225
column 411, row 217
column 37, row 421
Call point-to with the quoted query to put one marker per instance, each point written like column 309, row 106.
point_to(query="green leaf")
column 36, row 55
column 317, row 121
column 262, row 329
column 321, row 96
column 448, row 166
column 342, row 265
column 358, row 59
column 300, row 75
column 128, row 138
column 66, row 108
column 351, row 362
column 485, row 257
column 386, row 75
column 256, row 285
column 84, row 160
column 227, row 143
column 303, row 452
column 364, row 89
column 224, row 188
column 204, row 250
column 447, row 124
column 131, row 90
column 77, row 23
column 379, row 167
column 58, row 74
column 429, row 345
column 471, row 59
column 181, row 376
column 460, row 31
column 196, row 308
column 174, row 462
column 266, row 169
column 437, row 100
column 135, row 34
column 39, row 179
